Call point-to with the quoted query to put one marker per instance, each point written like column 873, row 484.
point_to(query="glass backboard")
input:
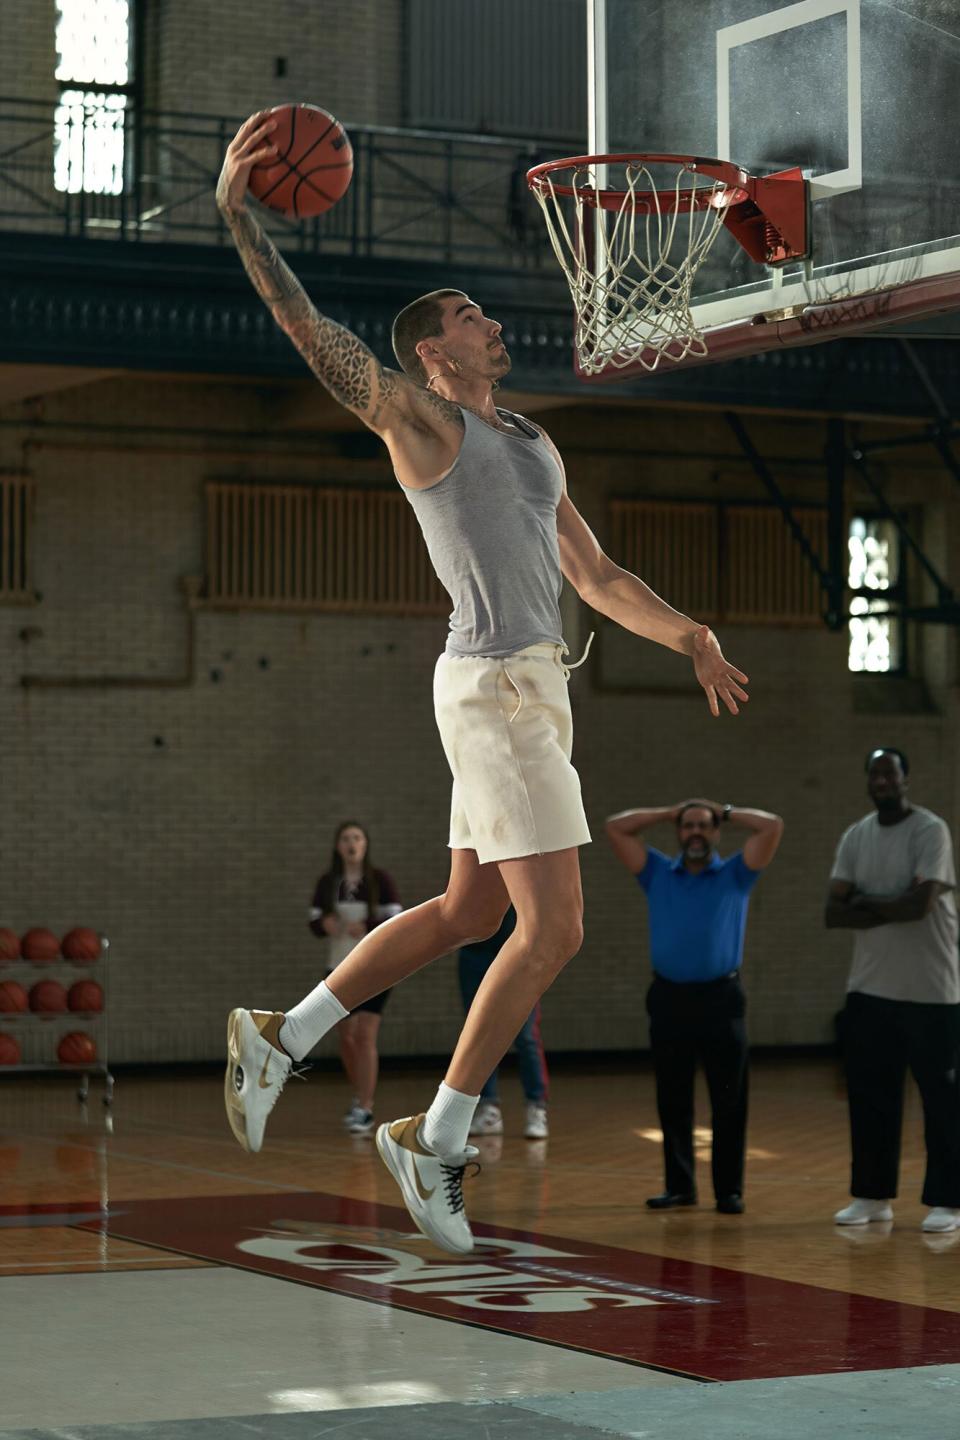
column 862, row 94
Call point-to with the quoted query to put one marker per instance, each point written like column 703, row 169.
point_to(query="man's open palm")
column 720, row 679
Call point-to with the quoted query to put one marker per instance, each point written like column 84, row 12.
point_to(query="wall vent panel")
column 718, row 562
column 272, row 547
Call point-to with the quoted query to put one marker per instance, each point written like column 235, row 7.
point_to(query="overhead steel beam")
column 940, row 433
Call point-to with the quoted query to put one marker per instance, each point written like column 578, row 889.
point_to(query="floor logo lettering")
column 474, row 1284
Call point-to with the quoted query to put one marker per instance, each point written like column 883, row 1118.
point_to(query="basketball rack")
column 40, row 1031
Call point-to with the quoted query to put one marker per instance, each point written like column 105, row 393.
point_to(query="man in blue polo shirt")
column 698, row 916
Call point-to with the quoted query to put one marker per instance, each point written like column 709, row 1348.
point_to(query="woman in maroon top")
column 350, row 899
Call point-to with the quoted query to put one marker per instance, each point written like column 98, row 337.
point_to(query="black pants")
column 702, row 1022
column 881, row 1038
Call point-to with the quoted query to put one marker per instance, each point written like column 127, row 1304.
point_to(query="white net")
column 631, row 287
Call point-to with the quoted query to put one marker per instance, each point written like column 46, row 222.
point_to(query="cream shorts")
column 507, row 733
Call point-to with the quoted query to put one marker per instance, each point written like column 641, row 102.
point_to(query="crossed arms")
column 849, row 909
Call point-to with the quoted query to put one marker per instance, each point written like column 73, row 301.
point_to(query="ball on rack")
column 313, row 166
column 13, row 998
column 9, row 945
column 81, row 945
column 40, row 945
column 48, row 997
column 85, row 996
column 76, row 1048
column 9, row 1050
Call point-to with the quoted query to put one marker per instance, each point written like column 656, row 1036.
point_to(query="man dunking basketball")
column 489, row 492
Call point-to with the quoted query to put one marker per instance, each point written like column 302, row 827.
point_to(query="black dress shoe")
column 730, row 1204
column 669, row 1201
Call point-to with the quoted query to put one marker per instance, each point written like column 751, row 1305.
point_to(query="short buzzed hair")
column 418, row 321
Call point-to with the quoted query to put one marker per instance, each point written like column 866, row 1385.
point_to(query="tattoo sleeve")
column 341, row 362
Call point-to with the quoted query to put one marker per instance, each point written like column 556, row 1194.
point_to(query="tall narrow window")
column 875, row 579
column 93, row 68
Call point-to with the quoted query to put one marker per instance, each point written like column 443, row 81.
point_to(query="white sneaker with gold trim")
column 257, row 1071
column 432, row 1187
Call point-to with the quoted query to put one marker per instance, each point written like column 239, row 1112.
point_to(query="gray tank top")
column 491, row 529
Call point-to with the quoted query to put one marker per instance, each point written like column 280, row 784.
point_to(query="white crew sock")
column 447, row 1123
column 308, row 1022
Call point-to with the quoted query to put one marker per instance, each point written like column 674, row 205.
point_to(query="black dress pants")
column 881, row 1038
column 705, row 1022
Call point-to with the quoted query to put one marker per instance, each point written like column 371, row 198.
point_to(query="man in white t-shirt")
column 892, row 881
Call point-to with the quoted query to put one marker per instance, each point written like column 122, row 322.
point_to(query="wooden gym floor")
column 203, row 1284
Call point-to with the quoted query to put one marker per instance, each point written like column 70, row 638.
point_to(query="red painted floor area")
column 689, row 1319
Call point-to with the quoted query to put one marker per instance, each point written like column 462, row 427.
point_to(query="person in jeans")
column 473, row 962
column 892, row 882
column 698, row 915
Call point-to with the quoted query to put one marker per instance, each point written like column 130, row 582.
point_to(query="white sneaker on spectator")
column 362, row 1122
column 536, row 1127
column 941, row 1218
column 487, row 1119
column 351, row 1114
column 861, row 1212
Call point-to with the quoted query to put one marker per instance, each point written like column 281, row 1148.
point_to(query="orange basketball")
column 85, row 995
column 9, row 1050
column 9, row 945
column 40, row 945
column 81, row 945
column 314, row 165
column 76, row 1048
column 13, row 998
column 48, row 997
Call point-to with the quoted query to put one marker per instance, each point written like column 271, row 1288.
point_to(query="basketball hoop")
column 630, row 250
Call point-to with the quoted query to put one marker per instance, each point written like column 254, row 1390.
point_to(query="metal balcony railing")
column 416, row 194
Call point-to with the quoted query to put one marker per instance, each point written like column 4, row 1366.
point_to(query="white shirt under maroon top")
column 350, row 906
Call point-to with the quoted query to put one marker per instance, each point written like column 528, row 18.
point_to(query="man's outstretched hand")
column 249, row 146
column 720, row 679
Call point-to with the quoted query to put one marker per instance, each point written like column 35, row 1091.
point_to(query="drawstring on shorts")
column 575, row 665
column 519, row 695
column 560, row 651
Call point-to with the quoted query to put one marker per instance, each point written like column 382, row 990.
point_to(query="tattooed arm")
column 340, row 361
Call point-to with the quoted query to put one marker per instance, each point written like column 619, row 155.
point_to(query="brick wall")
column 27, row 55
column 189, row 822
column 221, row 58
